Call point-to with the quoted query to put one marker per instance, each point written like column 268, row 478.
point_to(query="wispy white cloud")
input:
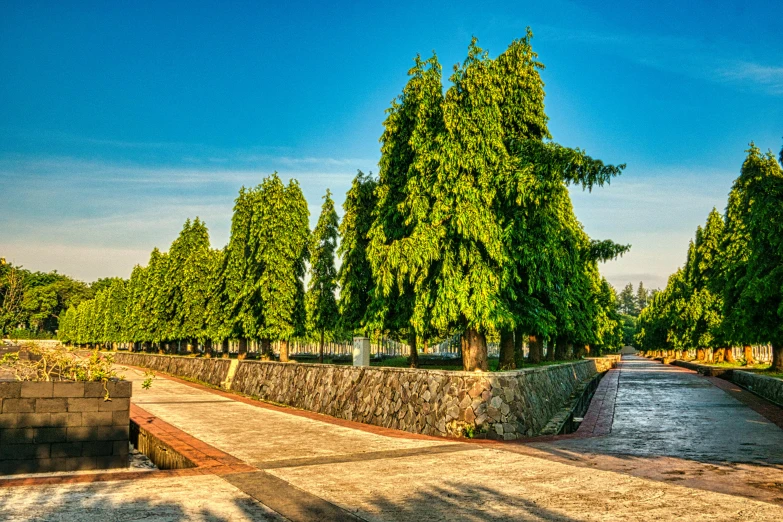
column 719, row 62
column 657, row 215
column 90, row 207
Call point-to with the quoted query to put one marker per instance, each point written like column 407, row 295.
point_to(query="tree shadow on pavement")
column 453, row 501
column 145, row 499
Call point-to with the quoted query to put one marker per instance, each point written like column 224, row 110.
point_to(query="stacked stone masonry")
column 768, row 387
column 502, row 405
column 63, row 426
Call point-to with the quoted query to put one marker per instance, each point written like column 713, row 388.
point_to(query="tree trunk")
column 284, row 350
column 729, row 355
column 550, row 350
column 266, row 349
column 414, row 357
column 242, row 346
column 720, row 355
column 321, row 349
column 749, row 355
column 700, row 354
column 777, row 357
column 223, row 346
column 569, row 351
column 560, row 348
column 519, row 347
column 535, row 346
column 474, row 351
column 506, row 350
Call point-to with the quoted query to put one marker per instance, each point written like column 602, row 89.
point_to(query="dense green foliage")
column 253, row 289
column 468, row 229
column 355, row 274
column 32, row 303
column 321, row 300
column 730, row 291
column 474, row 228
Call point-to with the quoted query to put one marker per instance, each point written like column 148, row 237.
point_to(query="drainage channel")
column 160, row 453
column 568, row 418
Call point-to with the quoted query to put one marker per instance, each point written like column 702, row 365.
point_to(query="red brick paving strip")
column 763, row 407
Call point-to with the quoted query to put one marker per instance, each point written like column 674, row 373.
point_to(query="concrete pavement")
column 679, row 447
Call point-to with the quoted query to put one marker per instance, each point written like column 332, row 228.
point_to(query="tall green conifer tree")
column 761, row 297
column 321, row 299
column 355, row 274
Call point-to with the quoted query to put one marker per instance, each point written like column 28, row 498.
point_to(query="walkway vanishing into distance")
column 661, row 443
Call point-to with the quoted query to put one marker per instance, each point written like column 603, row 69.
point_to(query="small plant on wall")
column 34, row 363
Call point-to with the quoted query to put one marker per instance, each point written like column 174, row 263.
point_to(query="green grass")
column 738, row 364
column 758, row 368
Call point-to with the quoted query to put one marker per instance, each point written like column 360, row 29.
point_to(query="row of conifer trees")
column 468, row 228
column 730, row 291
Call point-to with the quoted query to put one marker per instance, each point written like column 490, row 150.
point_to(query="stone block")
column 112, row 462
column 94, row 389
column 50, row 405
column 121, row 448
column 68, row 389
column 66, row 449
column 10, row 390
column 18, row 405
column 361, row 351
column 34, row 420
column 66, row 420
column 120, row 389
column 24, row 451
column 97, row 418
column 50, row 435
column 119, row 404
column 97, row 448
column 17, row 436
column 9, row 420
column 81, row 463
column 9, row 467
column 37, row 389
column 114, row 433
column 49, row 465
column 83, row 405
column 82, row 433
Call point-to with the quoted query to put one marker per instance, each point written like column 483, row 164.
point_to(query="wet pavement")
column 667, row 411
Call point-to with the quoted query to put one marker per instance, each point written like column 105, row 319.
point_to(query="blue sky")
column 119, row 120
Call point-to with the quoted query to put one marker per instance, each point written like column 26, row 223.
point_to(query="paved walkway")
column 679, row 447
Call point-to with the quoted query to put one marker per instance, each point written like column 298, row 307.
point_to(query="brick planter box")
column 63, row 426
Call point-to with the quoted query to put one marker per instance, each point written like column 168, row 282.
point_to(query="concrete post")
column 361, row 351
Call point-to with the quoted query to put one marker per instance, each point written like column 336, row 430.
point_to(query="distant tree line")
column 468, row 228
column 730, row 291
column 32, row 303
column 630, row 304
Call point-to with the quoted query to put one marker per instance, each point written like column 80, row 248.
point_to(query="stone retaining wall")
column 500, row 405
column 210, row 371
column 768, row 387
column 63, row 426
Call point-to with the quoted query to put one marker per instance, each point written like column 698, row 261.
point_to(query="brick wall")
column 63, row 426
